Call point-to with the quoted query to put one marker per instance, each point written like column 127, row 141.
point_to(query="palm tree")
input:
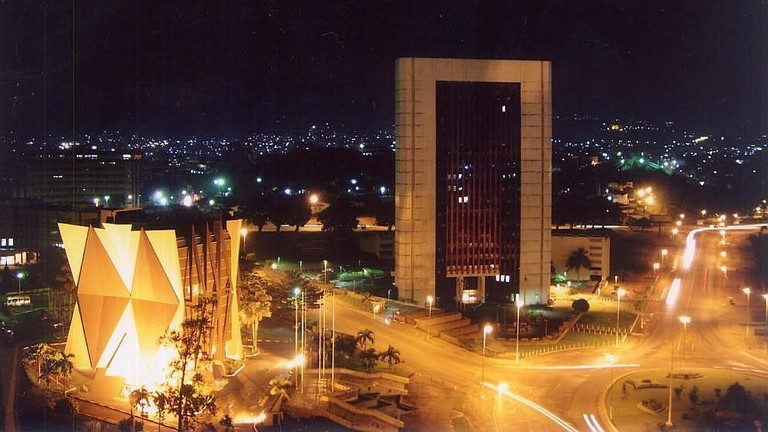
column 578, row 259
column 228, row 423
column 161, row 402
column 346, row 345
column 391, row 356
column 63, row 366
column 139, row 398
column 37, row 355
column 363, row 337
column 52, row 364
column 367, row 358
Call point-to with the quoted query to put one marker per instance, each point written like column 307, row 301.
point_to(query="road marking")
column 576, row 367
column 592, row 423
column 560, row 422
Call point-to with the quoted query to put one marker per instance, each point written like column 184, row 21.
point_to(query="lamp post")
column 518, row 305
column 656, row 267
column 610, row 358
column 325, row 271
column 619, row 294
column 748, row 292
column 502, row 388
column 615, row 282
column 487, row 329
column 664, row 253
column 430, row 299
column 20, row 276
column 244, row 233
column 303, row 333
column 685, row 320
column 765, row 296
column 296, row 292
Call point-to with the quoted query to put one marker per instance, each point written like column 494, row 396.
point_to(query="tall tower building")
column 473, row 180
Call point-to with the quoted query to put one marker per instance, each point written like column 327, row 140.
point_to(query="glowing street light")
column 325, row 271
column 685, row 320
column 296, row 292
column 610, row 358
column 518, row 305
column 619, row 294
column 430, row 299
column 20, row 276
column 748, row 292
column 244, row 233
column 502, row 388
column 656, row 267
column 765, row 296
column 487, row 329
column 664, row 253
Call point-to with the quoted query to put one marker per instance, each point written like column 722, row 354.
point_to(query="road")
column 573, row 384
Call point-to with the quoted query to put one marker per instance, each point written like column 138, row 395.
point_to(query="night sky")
column 236, row 67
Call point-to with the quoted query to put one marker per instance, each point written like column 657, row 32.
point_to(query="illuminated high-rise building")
column 473, row 180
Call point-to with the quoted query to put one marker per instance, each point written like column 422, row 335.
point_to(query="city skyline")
column 235, row 69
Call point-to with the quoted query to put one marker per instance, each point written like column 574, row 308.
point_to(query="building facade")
column 134, row 286
column 473, row 180
column 103, row 179
column 598, row 249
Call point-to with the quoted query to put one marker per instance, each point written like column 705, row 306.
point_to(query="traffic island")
column 702, row 399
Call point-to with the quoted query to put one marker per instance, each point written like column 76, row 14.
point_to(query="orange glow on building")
column 135, row 286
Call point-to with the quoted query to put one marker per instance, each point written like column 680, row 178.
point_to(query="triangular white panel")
column 76, row 343
column 98, row 274
column 164, row 244
column 122, row 356
column 74, row 237
column 121, row 249
column 101, row 316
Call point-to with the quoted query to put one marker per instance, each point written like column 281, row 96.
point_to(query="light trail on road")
column 690, row 240
column 536, row 407
column 576, row 367
column 674, row 291
column 592, row 423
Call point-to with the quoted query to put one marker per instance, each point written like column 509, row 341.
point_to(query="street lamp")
column 430, row 299
column 518, row 305
column 619, row 294
column 502, row 388
column 20, row 276
column 487, row 329
column 656, row 267
column 325, row 271
column 664, row 253
column 244, row 233
column 685, row 320
column 765, row 296
column 748, row 292
column 610, row 358
column 615, row 282
column 296, row 292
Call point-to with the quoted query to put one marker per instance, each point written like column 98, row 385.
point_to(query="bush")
column 581, row 305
